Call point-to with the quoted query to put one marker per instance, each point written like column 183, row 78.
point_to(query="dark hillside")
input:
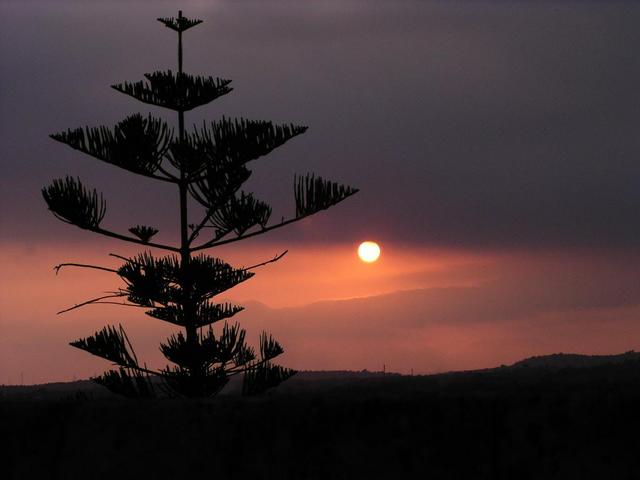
column 525, row 423
column 563, row 360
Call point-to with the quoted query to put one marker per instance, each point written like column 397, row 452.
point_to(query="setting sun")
column 369, row 251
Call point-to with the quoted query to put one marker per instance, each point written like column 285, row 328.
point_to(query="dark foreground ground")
column 511, row 423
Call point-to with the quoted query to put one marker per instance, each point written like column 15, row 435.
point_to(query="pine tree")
column 208, row 165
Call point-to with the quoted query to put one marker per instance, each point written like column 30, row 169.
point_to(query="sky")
column 495, row 146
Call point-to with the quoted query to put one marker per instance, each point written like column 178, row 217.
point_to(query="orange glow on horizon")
column 419, row 308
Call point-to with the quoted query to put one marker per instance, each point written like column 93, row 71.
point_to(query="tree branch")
column 121, row 304
column 274, row 259
column 191, row 179
column 132, row 261
column 141, row 369
column 115, row 255
column 119, row 236
column 170, row 177
column 216, row 243
column 93, row 300
column 243, row 368
column 82, row 265
column 200, row 226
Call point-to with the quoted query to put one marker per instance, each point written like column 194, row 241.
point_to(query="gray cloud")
column 464, row 123
column 522, row 291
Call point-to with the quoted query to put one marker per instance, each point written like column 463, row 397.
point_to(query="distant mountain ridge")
column 563, row 366
column 574, row 360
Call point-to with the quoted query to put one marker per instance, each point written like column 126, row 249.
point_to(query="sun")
column 369, row 251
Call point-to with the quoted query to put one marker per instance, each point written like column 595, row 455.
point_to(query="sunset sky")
column 496, row 146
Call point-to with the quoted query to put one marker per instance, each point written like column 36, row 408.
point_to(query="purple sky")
column 501, row 132
column 481, row 125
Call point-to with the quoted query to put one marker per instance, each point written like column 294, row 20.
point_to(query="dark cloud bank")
column 474, row 124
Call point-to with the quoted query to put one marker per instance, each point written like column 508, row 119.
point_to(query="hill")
column 528, row 369
column 514, row 422
column 572, row 360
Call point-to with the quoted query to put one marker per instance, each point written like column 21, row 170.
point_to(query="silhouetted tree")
column 207, row 165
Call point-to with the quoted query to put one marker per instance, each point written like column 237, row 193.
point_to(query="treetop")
column 181, row 23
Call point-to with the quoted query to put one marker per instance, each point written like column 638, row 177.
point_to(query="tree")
column 208, row 165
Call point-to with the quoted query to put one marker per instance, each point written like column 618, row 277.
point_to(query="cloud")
column 535, row 306
column 517, row 288
column 484, row 126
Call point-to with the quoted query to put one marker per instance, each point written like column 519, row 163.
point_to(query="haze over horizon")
column 495, row 144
